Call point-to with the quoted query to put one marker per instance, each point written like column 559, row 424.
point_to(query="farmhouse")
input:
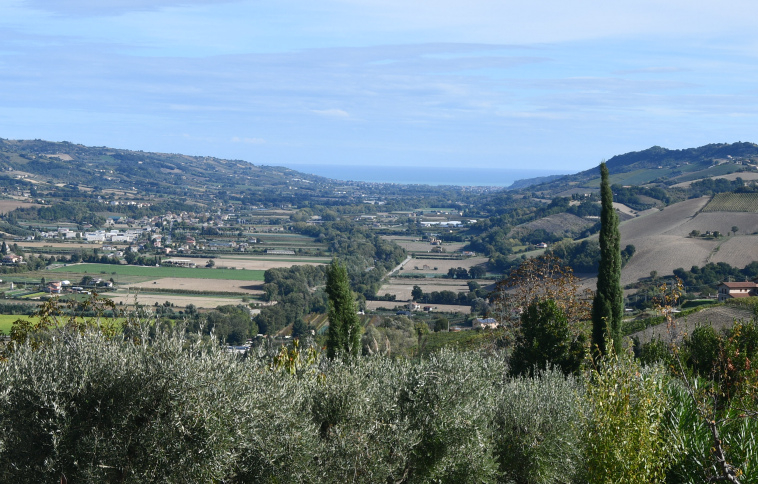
column 12, row 259
column 53, row 287
column 729, row 290
column 484, row 323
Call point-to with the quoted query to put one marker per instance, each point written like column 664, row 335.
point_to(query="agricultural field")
column 399, row 305
column 280, row 240
column 746, row 222
column 401, row 287
column 416, row 245
column 181, row 301
column 720, row 317
column 562, row 224
column 663, row 254
column 6, row 321
column 662, row 240
column 733, row 202
column 158, row 272
column 10, row 205
column 624, row 209
column 263, row 264
column 204, row 285
column 661, row 221
column 745, row 175
column 736, row 251
column 427, row 266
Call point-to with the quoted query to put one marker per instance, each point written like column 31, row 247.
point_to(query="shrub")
column 627, row 441
column 539, row 428
column 99, row 409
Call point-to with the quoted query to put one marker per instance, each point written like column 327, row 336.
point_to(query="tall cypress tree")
column 608, row 305
column 344, row 335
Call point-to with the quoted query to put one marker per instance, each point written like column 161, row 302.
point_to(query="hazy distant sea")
column 424, row 175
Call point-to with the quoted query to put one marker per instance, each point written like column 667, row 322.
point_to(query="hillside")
column 659, row 166
column 67, row 171
column 663, row 242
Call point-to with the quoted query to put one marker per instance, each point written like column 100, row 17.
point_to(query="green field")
column 6, row 321
column 159, row 272
column 733, row 202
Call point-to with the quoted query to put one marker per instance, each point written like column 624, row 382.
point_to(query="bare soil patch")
column 179, row 301
column 401, row 288
column 10, row 205
column 206, row 285
column 663, row 254
column 721, row 221
column 261, row 265
column 737, row 251
column 562, row 224
column 625, row 209
column 660, row 241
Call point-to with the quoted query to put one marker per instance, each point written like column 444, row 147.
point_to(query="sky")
column 546, row 84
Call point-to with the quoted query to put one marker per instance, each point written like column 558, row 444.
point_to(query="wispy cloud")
column 112, row 7
column 651, row 70
column 332, row 113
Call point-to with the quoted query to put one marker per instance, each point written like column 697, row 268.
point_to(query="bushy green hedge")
column 164, row 406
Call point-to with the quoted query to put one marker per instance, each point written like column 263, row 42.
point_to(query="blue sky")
column 551, row 85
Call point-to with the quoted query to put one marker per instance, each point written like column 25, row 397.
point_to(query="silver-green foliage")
column 99, row 409
column 539, row 429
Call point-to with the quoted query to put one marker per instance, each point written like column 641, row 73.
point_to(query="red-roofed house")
column 728, row 290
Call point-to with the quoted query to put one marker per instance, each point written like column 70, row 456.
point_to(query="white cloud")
column 334, row 113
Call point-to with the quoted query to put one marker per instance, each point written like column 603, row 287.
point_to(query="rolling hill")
column 663, row 242
column 658, row 166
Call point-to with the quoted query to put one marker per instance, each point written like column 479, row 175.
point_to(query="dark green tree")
column 546, row 340
column 417, row 293
column 344, row 335
column 608, row 305
column 299, row 328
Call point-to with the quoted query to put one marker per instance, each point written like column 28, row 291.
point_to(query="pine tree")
column 608, row 305
column 344, row 336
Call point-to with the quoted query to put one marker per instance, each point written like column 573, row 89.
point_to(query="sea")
column 425, row 175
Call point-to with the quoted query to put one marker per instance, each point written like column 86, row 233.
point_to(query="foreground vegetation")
column 159, row 404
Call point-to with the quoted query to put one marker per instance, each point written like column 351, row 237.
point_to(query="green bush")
column 693, row 441
column 539, row 429
column 104, row 410
column 627, row 440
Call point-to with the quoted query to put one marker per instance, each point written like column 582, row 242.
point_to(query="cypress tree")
column 608, row 305
column 344, row 334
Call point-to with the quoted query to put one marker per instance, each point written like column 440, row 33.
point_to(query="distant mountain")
column 152, row 173
column 68, row 170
